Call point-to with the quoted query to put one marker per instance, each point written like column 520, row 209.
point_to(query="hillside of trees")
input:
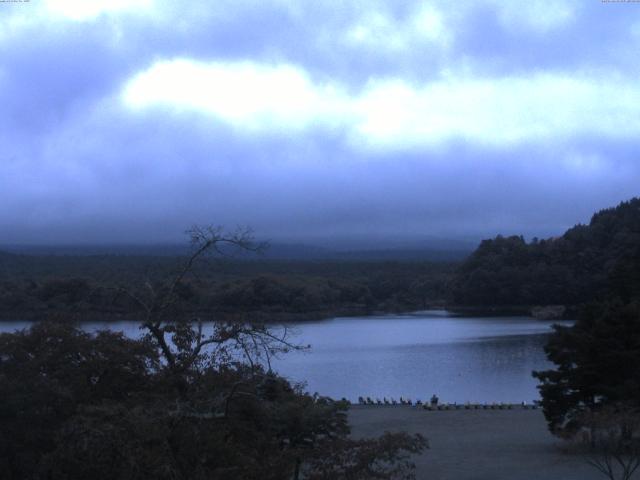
column 89, row 286
column 591, row 262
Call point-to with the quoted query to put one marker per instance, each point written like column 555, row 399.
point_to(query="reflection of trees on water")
column 510, row 352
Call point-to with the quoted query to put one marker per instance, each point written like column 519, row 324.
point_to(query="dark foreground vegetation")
column 180, row 403
column 76, row 406
column 592, row 396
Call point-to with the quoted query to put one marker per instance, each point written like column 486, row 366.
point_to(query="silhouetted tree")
column 597, row 364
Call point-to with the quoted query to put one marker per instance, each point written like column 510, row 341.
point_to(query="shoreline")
column 282, row 317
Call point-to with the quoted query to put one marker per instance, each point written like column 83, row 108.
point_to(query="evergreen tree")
column 598, row 364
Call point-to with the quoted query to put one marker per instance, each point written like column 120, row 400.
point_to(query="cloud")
column 132, row 120
column 539, row 16
column 393, row 113
column 500, row 111
column 147, row 178
column 244, row 94
column 82, row 10
column 381, row 31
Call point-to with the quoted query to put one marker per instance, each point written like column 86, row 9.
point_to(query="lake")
column 411, row 355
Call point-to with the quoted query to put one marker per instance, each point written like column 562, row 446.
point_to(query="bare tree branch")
column 184, row 345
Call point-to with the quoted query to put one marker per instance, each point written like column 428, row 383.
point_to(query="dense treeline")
column 589, row 262
column 86, row 286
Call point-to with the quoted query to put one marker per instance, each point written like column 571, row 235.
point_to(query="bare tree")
column 610, row 439
column 183, row 344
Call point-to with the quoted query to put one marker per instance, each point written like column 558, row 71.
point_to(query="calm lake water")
column 412, row 355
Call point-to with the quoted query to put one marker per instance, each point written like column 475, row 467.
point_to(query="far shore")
column 119, row 316
column 540, row 312
column 477, row 444
column 283, row 317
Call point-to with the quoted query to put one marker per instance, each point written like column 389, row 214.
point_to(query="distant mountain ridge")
column 586, row 263
column 275, row 251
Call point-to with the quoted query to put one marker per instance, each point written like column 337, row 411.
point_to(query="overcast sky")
column 130, row 120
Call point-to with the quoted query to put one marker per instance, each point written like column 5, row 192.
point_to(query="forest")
column 90, row 286
column 508, row 274
column 597, row 261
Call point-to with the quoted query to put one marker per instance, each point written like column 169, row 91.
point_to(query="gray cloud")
column 77, row 165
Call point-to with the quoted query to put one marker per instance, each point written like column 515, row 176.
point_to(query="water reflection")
column 460, row 359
